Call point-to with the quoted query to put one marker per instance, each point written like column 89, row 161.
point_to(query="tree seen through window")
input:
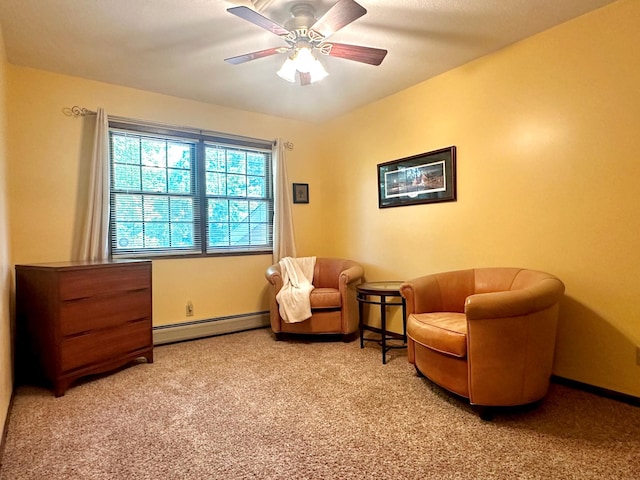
column 156, row 202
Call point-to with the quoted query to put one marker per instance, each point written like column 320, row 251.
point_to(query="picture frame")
column 428, row 177
column 300, row 193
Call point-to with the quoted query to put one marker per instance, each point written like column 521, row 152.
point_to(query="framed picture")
column 426, row 178
column 300, row 193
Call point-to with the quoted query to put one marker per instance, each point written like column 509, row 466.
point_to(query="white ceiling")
column 177, row 47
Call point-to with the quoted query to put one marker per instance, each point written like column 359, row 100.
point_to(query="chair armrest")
column 422, row 294
column 274, row 276
column 512, row 303
column 511, row 343
column 347, row 279
column 351, row 274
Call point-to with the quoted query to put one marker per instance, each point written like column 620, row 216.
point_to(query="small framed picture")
column 300, row 193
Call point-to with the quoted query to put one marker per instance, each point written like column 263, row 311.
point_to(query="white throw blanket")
column 293, row 298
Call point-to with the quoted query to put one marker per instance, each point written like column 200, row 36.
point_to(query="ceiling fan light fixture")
column 305, row 63
column 317, row 72
column 304, row 59
column 288, row 71
column 304, row 33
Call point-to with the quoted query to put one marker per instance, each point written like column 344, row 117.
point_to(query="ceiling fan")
column 304, row 35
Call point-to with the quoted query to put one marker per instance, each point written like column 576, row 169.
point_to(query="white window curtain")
column 284, row 244
column 94, row 241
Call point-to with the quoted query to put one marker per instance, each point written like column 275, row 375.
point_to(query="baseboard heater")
column 179, row 332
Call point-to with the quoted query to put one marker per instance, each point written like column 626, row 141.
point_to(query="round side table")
column 378, row 293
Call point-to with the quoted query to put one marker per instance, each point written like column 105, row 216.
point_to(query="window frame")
column 201, row 139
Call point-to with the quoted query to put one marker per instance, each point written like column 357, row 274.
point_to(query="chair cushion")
column 325, row 298
column 445, row 332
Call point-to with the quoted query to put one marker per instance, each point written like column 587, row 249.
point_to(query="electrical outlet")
column 189, row 309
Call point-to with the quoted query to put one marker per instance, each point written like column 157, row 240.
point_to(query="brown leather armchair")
column 487, row 334
column 334, row 308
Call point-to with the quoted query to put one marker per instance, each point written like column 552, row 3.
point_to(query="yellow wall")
column 6, row 377
column 547, row 142
column 547, row 132
column 46, row 194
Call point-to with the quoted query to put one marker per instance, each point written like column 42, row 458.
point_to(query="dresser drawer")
column 79, row 318
column 95, row 347
column 79, row 283
column 103, row 311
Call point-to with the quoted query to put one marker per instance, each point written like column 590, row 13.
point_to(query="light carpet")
column 243, row 406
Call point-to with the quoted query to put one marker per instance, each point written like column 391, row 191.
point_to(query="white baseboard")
column 180, row 332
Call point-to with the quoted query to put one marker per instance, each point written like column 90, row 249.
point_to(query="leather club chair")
column 334, row 307
column 487, row 334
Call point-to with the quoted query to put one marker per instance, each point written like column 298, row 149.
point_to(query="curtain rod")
column 76, row 111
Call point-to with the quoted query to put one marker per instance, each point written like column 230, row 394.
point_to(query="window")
column 185, row 193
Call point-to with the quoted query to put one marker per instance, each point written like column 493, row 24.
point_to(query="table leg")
column 383, row 327
column 360, row 319
column 404, row 320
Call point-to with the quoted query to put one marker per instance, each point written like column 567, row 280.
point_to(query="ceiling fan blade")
column 342, row 13
column 372, row 56
column 255, row 55
column 257, row 5
column 305, row 78
column 257, row 19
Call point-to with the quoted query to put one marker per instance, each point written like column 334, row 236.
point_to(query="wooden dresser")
column 76, row 319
